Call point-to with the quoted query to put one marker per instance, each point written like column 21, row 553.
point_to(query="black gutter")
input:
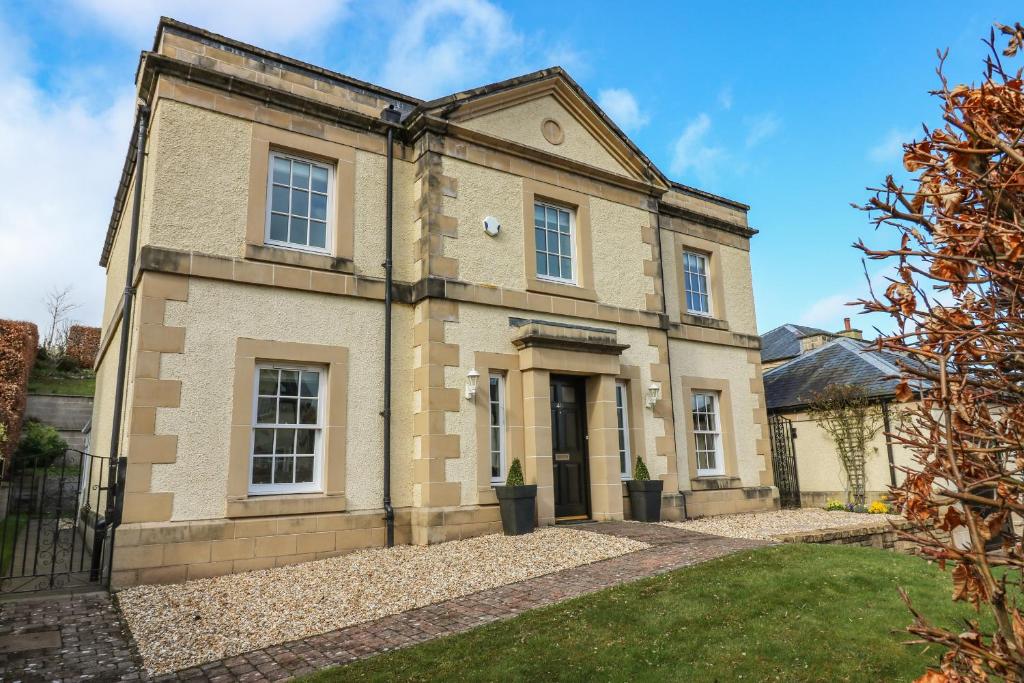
column 114, row 484
column 888, row 443
column 392, row 116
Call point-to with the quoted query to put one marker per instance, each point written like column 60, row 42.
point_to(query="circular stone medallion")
column 552, row 131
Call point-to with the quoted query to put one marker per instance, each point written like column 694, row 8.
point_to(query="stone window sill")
column 286, row 504
column 302, row 259
column 714, row 483
column 559, row 289
column 705, row 321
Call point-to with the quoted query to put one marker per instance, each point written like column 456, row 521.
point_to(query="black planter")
column 518, row 506
column 645, row 499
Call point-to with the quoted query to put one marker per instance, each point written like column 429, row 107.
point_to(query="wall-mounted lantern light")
column 653, row 394
column 471, row 377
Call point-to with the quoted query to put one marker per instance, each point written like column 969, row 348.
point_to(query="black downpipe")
column 888, row 443
column 391, row 115
column 110, row 521
column 668, row 353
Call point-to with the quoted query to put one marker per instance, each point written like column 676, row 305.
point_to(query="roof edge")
column 450, row 103
column 170, row 22
column 704, row 194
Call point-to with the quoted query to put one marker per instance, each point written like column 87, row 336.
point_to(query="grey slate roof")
column 784, row 341
column 840, row 361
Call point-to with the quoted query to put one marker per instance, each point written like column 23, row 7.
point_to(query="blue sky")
column 792, row 108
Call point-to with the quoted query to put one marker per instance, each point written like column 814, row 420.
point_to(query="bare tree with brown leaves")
column 958, row 305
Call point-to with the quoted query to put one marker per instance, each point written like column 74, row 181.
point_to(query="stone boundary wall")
column 880, row 535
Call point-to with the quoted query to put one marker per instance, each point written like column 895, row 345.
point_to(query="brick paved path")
column 105, row 653
column 85, row 634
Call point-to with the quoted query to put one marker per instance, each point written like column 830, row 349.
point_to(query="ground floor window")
column 707, row 433
column 622, row 411
column 287, row 430
column 496, row 406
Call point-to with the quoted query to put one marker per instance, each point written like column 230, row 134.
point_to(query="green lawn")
column 785, row 613
column 46, row 378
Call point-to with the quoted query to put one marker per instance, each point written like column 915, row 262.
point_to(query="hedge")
column 83, row 345
column 18, row 343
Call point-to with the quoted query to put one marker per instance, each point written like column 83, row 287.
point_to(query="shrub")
column 515, row 474
column 40, row 445
column 833, row 505
column 640, row 472
column 18, row 343
column 878, row 508
column 83, row 345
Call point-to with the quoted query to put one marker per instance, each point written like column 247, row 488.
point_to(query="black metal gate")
column 51, row 529
column 784, row 461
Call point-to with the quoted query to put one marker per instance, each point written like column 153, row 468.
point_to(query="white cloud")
column 263, row 22
column 446, row 45
column 60, row 167
column 621, row 106
column 725, row 98
column 828, row 311
column 761, row 127
column 890, row 148
column 693, row 154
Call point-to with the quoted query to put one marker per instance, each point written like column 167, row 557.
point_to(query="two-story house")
column 555, row 299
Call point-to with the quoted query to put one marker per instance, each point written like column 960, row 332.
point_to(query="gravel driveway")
column 182, row 625
column 766, row 526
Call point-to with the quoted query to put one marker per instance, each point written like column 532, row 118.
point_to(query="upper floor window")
column 695, row 273
column 707, row 433
column 287, row 430
column 496, row 410
column 298, row 205
column 622, row 411
column 555, row 241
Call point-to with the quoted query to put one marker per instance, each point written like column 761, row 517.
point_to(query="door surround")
column 546, row 349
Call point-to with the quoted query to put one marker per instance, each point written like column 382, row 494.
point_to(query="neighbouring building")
column 800, row 363
column 557, row 299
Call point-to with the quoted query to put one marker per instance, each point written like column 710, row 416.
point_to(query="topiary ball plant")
column 640, row 472
column 515, row 474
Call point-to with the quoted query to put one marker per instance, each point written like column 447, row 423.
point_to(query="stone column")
column 603, row 449
column 537, row 465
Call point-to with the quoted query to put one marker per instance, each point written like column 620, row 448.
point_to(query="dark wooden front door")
column 569, row 447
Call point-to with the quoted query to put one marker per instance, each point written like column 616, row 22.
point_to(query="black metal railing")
column 784, row 460
column 51, row 529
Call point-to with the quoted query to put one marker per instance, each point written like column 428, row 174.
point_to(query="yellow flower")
column 878, row 508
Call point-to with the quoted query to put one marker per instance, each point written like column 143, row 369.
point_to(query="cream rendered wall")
column 483, row 192
column 216, row 314
column 487, row 329
column 618, row 251
column 201, row 165
column 696, row 359
column 819, row 468
column 371, row 205
column 619, row 254
column 522, row 123
column 201, row 160
column 738, row 287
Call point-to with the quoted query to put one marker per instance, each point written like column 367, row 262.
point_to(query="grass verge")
column 47, row 378
column 785, row 613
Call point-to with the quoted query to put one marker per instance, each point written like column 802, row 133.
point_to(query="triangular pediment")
column 549, row 112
